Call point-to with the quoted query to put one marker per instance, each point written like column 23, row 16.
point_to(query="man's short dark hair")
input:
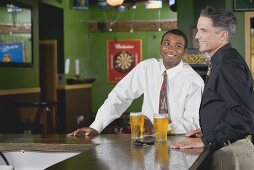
column 177, row 32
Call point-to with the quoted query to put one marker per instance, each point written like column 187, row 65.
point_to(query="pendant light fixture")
column 114, row 2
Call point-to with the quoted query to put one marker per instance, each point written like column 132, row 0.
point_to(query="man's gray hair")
column 222, row 19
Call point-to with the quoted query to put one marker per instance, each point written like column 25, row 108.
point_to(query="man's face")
column 209, row 37
column 172, row 49
column 6, row 58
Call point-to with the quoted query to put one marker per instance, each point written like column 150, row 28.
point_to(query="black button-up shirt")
column 227, row 106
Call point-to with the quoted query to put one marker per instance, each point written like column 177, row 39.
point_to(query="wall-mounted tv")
column 16, row 40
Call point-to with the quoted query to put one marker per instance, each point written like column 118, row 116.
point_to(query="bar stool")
column 37, row 117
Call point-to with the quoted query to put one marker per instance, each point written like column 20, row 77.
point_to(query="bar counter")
column 43, row 143
column 106, row 151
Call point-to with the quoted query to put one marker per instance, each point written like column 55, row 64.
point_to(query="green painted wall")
column 76, row 40
column 238, row 40
column 101, row 88
column 90, row 48
column 98, row 51
column 185, row 15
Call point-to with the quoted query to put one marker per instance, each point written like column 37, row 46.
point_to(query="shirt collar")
column 218, row 54
column 172, row 71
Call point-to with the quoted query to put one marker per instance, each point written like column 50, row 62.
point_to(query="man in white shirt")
column 184, row 89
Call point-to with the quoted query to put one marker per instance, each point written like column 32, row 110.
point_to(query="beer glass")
column 137, row 155
column 162, row 154
column 137, row 125
column 161, row 126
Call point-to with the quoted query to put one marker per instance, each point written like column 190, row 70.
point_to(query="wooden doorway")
column 48, row 70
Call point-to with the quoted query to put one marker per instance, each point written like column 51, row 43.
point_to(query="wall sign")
column 80, row 4
column 12, row 52
column 243, row 5
column 122, row 57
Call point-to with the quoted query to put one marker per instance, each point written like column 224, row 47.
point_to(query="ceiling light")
column 153, row 4
column 114, row 2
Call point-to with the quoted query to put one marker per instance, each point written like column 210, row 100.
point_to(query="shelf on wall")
column 6, row 29
column 127, row 26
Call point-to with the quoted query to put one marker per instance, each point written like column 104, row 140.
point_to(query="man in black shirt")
column 227, row 106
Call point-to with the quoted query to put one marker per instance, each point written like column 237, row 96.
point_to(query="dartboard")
column 123, row 61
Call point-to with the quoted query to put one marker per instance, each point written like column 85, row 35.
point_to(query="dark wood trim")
column 201, row 162
column 126, row 26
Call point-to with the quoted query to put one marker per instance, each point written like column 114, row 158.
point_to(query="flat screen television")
column 16, row 39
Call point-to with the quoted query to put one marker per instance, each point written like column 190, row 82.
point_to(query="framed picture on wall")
column 80, row 4
column 243, row 5
column 122, row 57
column 16, row 34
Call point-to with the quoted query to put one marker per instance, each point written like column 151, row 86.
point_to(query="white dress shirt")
column 185, row 89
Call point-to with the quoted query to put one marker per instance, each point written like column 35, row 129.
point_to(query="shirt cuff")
column 97, row 126
column 215, row 140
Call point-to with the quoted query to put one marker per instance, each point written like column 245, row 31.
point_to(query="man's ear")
column 224, row 35
column 185, row 50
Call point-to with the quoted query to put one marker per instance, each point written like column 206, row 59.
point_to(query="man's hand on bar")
column 193, row 151
column 148, row 126
column 188, row 144
column 195, row 133
column 87, row 131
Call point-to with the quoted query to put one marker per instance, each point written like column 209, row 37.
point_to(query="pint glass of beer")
column 162, row 154
column 161, row 126
column 137, row 125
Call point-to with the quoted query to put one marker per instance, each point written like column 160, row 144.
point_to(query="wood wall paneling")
column 74, row 107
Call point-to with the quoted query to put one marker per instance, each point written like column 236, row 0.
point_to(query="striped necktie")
column 163, row 103
column 209, row 70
